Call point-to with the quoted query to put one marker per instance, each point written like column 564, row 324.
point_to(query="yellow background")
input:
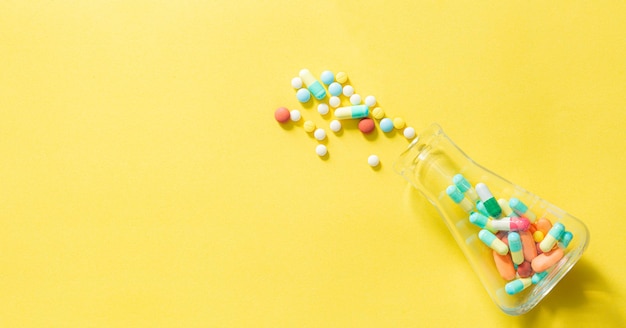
column 144, row 181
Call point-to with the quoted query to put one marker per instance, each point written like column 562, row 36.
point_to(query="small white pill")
column 334, row 101
column 322, row 109
column 348, row 90
column 373, row 160
column 319, row 134
column 295, row 115
column 355, row 99
column 296, row 82
column 409, row 132
column 335, row 125
column 370, row 101
column 321, row 150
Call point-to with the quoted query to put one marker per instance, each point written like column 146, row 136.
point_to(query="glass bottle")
column 430, row 163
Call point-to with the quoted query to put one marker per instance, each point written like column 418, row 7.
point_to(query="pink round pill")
column 282, row 115
column 366, row 125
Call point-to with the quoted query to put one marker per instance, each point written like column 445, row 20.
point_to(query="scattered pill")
column 547, row 259
column 296, row 83
column 494, row 243
column 409, row 132
column 366, row 125
column 517, row 285
column 321, row 150
column 334, row 101
column 348, row 90
column 521, row 209
column 319, row 134
column 370, row 101
column 303, row 95
column 282, row 115
column 386, row 125
column 314, row 86
column 355, row 99
column 515, row 246
column 378, row 112
column 335, row 126
column 335, row 89
column 341, row 77
column 327, row 77
column 511, row 224
column 491, row 204
column 295, row 115
column 465, row 186
column 398, row 123
column 373, row 160
column 552, row 237
column 322, row 109
column 309, row 126
column 504, row 265
column 359, row 111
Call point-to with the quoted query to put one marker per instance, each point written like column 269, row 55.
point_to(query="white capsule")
column 319, row 134
column 334, row 101
column 348, row 90
column 321, row 150
column 335, row 125
column 370, row 101
column 373, row 160
column 409, row 132
column 355, row 99
column 295, row 115
column 296, row 82
column 483, row 191
column 322, row 109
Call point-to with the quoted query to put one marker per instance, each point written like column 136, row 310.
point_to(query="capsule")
column 505, row 266
column 528, row 245
column 506, row 209
column 515, row 245
column 566, row 238
column 493, row 242
column 312, row 84
column 358, row 111
column 552, row 237
column 537, row 277
column 517, row 285
column 481, row 208
column 545, row 260
column 465, row 187
column 457, row 196
column 521, row 209
column 491, row 204
column 511, row 224
column 482, row 221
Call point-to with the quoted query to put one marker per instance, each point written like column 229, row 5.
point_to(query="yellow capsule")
column 309, row 126
column 378, row 113
column 538, row 236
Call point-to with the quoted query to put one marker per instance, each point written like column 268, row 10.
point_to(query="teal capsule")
column 465, row 187
column 515, row 245
column 481, row 221
column 481, row 208
column 517, row 285
column 521, row 209
column 552, row 237
column 491, row 204
column 537, row 277
column 566, row 238
column 457, row 196
column 493, row 242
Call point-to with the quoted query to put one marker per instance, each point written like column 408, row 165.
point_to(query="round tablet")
column 334, row 101
column 319, row 134
column 296, row 82
column 295, row 115
column 321, row 150
column 327, row 77
column 335, row 89
column 386, row 124
column 378, row 113
column 366, row 125
column 303, row 95
column 348, row 90
column 282, row 114
column 370, row 101
column 355, row 99
column 398, row 123
column 373, row 160
column 335, row 125
column 409, row 132
column 341, row 77
column 309, row 126
column 322, row 109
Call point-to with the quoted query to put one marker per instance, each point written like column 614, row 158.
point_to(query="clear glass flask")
column 430, row 163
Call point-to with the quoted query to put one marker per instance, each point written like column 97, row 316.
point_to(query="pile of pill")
column 334, row 87
column 524, row 247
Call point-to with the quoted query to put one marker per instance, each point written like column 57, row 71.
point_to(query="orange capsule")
column 528, row 245
column 544, row 261
column 505, row 267
column 544, row 225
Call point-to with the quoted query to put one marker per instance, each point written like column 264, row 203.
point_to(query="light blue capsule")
column 566, row 238
column 327, row 77
column 335, row 89
column 537, row 277
column 481, row 208
column 386, row 124
column 303, row 95
column 557, row 230
column 517, row 285
column 455, row 194
column 518, row 206
column 478, row 219
column 515, row 245
column 461, row 183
